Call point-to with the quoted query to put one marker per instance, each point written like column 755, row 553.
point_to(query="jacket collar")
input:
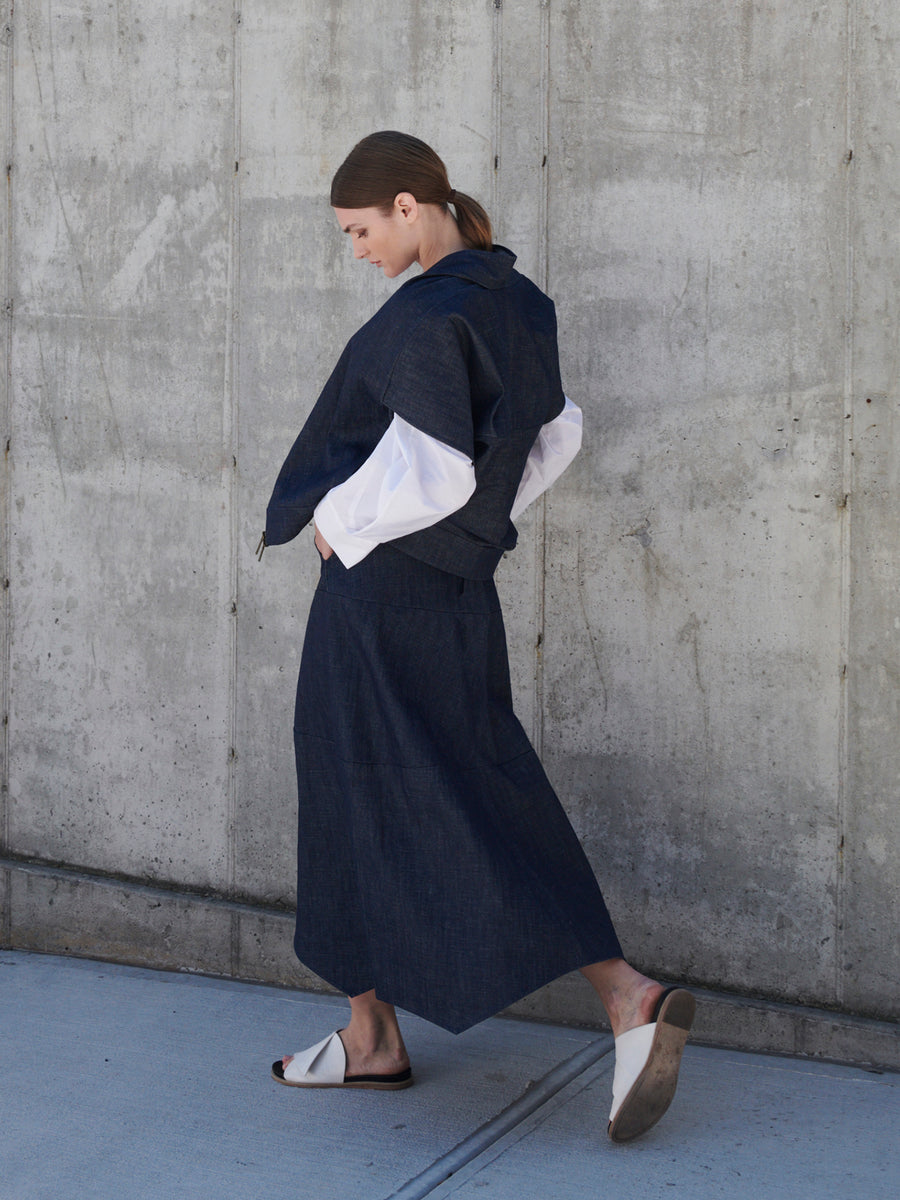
column 487, row 268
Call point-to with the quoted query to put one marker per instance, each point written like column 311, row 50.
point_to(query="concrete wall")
column 703, row 614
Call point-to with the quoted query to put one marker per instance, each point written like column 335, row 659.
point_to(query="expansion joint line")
column 492, row 1131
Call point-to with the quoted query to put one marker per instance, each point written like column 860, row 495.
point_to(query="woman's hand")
column 321, row 545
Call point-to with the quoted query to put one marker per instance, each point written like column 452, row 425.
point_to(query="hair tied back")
column 389, row 162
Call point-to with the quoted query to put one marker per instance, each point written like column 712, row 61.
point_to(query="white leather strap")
column 326, row 1062
column 632, row 1053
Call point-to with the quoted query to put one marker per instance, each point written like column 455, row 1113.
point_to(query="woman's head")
column 387, row 164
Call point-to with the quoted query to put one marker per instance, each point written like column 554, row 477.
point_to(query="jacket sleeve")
column 332, row 444
column 410, row 481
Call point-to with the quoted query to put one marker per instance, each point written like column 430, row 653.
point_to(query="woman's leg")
column 628, row 996
column 372, row 1038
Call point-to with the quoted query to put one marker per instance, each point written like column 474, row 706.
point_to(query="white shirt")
column 411, row 480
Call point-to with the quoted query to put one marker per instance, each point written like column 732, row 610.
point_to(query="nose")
column 360, row 250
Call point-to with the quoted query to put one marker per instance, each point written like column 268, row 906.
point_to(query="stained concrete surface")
column 117, row 1081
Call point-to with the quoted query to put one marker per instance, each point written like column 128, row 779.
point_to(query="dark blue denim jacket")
column 465, row 352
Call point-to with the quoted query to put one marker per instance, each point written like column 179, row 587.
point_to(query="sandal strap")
column 326, row 1062
column 632, row 1054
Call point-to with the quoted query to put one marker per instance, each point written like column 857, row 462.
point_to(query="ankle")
column 372, row 1034
column 628, row 996
column 367, row 1054
column 369, row 1039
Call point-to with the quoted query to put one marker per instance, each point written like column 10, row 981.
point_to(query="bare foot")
column 364, row 1059
column 628, row 996
column 636, row 1006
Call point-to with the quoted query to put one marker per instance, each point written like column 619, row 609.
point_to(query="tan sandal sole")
column 652, row 1091
column 370, row 1082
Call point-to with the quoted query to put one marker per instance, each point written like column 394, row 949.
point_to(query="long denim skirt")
column 435, row 863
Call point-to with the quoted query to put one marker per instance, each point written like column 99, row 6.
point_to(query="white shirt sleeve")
column 554, row 448
column 410, row 481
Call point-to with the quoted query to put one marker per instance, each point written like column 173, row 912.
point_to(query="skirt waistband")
column 388, row 576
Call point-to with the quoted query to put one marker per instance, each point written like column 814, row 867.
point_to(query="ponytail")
column 474, row 223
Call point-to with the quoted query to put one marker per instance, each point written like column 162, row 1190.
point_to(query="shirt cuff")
column 554, row 448
column 410, row 481
column 350, row 548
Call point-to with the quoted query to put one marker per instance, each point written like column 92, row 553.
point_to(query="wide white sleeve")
column 410, row 481
column 554, row 448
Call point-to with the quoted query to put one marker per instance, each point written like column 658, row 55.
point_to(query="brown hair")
column 384, row 164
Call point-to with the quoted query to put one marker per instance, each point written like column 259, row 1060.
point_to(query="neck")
column 440, row 237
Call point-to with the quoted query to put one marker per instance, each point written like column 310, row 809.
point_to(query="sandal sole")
column 372, row 1082
column 653, row 1090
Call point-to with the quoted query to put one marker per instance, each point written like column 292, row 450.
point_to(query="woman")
column 436, row 868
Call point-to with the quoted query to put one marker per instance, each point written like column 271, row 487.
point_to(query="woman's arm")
column 554, row 448
column 410, row 481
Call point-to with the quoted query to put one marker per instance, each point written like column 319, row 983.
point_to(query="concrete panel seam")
column 846, row 512
column 544, row 196
column 496, row 101
column 231, row 418
column 540, row 600
column 514, row 1114
column 7, row 38
column 5, row 914
column 543, row 282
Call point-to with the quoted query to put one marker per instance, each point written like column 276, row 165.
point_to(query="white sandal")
column 325, row 1066
column 647, row 1062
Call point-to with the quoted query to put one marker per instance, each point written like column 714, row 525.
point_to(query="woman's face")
column 388, row 242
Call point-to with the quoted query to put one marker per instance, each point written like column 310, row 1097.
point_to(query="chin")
column 391, row 272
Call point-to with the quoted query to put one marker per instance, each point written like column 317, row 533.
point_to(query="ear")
column 406, row 204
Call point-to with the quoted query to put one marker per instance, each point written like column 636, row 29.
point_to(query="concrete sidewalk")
column 144, row 1085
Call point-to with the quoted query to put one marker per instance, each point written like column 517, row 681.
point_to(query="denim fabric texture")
column 435, row 862
column 467, row 353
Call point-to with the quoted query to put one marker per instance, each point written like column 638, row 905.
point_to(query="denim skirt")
column 435, row 862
